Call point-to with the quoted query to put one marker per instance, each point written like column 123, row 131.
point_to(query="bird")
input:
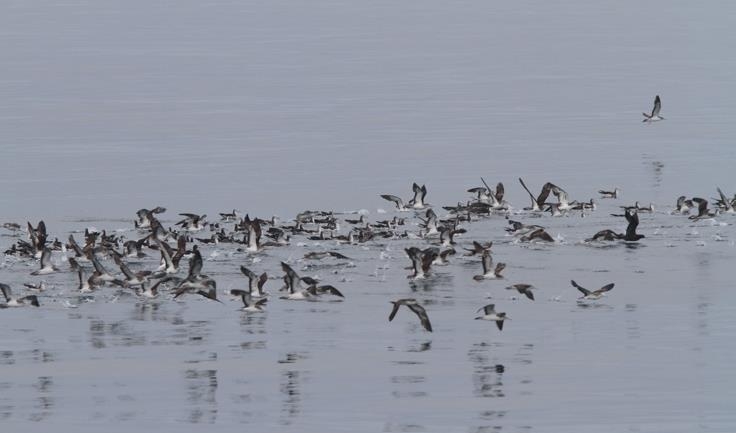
column 150, row 292
column 147, row 217
column 524, row 289
column 100, row 273
column 11, row 301
column 488, row 272
column 46, row 266
column 192, row 222
column 131, row 279
column 319, row 255
column 429, row 223
column 413, row 306
column 563, row 203
column 442, row 258
column 703, row 211
column 609, row 194
column 293, row 284
column 537, row 235
column 40, row 286
column 490, row 314
column 421, row 261
column 201, row 285
column 314, row 289
column 596, row 294
column 228, row 216
column 478, row 248
column 254, row 233
column 605, row 235
column 520, row 229
column 683, row 205
column 447, row 235
column 538, row 201
column 420, row 193
column 86, row 285
column 655, row 111
column 249, row 304
column 724, row 203
column 397, row 201
column 633, row 219
column 255, row 283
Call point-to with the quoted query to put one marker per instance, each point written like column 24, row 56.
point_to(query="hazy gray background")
column 282, row 105
column 273, row 107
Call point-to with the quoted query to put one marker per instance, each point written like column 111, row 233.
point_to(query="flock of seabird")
column 256, row 236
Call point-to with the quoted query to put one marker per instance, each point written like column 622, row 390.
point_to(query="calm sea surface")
column 280, row 106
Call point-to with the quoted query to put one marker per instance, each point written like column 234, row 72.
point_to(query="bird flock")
column 435, row 246
column 138, row 273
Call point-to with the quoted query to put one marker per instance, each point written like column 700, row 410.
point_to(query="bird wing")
column 499, row 267
column 46, row 258
column 246, row 298
column 247, row 272
column 487, row 262
column 397, row 200
column 126, row 270
column 422, row 313
column 7, row 292
column 331, row 289
column 262, row 280
column 195, row 264
column 546, row 188
column 394, row 310
column 75, row 246
column 32, row 298
column 238, row 292
column 535, row 203
column 583, row 290
column 657, row 106
column 499, row 191
column 604, row 289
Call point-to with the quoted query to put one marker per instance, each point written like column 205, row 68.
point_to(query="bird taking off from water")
column 655, row 111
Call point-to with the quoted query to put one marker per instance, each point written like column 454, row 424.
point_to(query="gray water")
column 275, row 107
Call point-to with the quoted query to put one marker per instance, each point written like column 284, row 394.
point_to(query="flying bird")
column 592, row 295
column 655, row 111
column 413, row 306
column 490, row 314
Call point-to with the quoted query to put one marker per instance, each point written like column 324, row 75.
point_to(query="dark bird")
column 703, row 211
column 537, row 202
column 609, row 194
column 11, row 301
column 478, row 248
column 596, row 294
column 537, row 235
column 488, row 272
column 655, row 111
column 319, row 255
column 248, row 303
column 633, row 219
column 524, row 289
column 413, row 306
column 421, row 261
